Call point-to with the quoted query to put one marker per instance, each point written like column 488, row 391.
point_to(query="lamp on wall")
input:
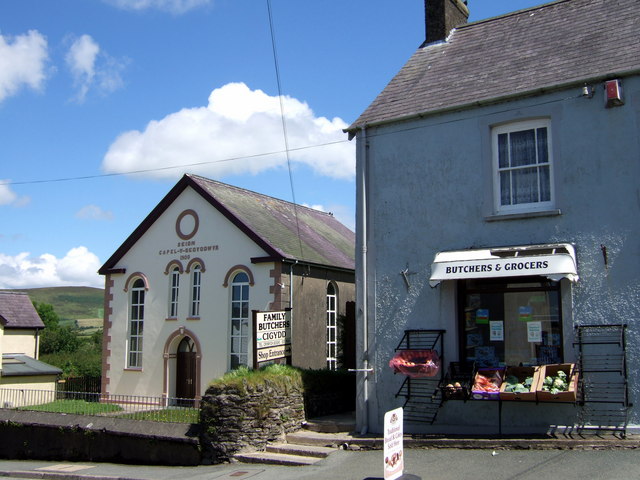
column 587, row 91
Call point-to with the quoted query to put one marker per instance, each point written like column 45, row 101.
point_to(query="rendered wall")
column 150, row 256
column 21, row 341
column 429, row 189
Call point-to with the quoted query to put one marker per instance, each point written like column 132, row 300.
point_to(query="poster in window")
column 482, row 316
column 496, row 329
column 525, row 313
column 534, row 332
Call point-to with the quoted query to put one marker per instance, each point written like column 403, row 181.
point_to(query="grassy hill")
column 80, row 307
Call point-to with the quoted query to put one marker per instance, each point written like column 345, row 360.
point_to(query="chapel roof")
column 286, row 231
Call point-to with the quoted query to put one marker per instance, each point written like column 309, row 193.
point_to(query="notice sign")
column 272, row 333
column 534, row 332
column 496, row 329
column 393, row 444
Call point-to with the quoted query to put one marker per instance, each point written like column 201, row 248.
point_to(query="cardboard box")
column 521, row 373
column 552, row 371
column 497, row 374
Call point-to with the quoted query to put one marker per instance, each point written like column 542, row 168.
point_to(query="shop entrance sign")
column 272, row 337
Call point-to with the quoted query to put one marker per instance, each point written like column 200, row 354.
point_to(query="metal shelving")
column 422, row 395
column 603, row 392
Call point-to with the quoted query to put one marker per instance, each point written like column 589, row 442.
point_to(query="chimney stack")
column 442, row 16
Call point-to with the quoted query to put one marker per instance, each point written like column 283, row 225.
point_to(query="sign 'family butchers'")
column 272, row 336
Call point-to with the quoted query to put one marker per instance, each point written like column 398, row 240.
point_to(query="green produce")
column 556, row 384
column 514, row 385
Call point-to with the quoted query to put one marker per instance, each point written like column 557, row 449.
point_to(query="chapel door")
column 186, row 371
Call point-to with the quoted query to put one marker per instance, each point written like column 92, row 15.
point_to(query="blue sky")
column 93, row 89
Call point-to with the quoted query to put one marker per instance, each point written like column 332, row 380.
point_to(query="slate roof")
column 21, row 365
column 268, row 221
column 523, row 53
column 17, row 311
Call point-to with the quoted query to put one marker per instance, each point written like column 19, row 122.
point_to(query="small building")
column 181, row 289
column 20, row 328
column 498, row 218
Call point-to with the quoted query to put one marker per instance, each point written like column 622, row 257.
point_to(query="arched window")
column 136, row 324
column 196, row 279
column 174, row 287
column 332, row 327
column 239, row 320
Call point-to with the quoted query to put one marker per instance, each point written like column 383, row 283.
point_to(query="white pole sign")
column 393, row 444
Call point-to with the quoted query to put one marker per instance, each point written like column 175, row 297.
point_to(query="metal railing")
column 159, row 409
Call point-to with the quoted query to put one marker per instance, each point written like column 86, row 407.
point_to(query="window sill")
column 171, row 319
column 520, row 215
column 192, row 318
column 133, row 369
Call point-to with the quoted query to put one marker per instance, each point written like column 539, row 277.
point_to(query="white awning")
column 554, row 261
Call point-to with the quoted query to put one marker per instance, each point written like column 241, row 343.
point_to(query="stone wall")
column 246, row 417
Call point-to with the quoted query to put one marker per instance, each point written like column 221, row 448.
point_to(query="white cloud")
column 231, row 135
column 172, row 6
column 77, row 268
column 91, row 67
column 9, row 197
column 22, row 62
column 93, row 212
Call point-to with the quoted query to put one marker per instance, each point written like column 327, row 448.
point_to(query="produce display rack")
column 603, row 389
column 422, row 395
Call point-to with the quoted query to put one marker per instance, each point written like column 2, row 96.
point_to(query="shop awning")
column 554, row 261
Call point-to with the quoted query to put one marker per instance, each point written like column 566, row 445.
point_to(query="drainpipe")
column 363, row 291
column 291, row 296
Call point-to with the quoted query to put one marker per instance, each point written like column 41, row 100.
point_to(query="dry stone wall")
column 246, row 417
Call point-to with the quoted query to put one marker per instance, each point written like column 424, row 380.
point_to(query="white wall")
column 150, row 256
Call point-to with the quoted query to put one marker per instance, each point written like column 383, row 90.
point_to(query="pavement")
column 431, row 464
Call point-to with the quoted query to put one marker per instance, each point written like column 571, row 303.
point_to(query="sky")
column 105, row 104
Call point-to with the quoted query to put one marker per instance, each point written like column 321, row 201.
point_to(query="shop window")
column 136, row 323
column 174, row 287
column 239, row 320
column 332, row 327
column 196, row 279
column 523, row 166
column 510, row 322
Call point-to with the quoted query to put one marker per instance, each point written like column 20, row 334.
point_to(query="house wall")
column 430, row 189
column 20, row 341
column 24, row 390
column 150, row 256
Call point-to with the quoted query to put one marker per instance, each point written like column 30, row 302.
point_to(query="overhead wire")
column 284, row 125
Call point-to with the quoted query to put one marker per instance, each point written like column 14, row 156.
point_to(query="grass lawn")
column 78, row 407
column 173, row 415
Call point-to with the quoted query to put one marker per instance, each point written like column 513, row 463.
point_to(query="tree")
column 47, row 314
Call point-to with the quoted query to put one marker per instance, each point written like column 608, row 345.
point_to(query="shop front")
column 509, row 308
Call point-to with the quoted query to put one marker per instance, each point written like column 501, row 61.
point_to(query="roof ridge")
column 234, row 187
column 511, row 14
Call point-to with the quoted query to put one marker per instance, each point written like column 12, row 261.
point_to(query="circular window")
column 187, row 224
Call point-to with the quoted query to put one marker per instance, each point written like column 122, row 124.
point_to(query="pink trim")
column 193, row 261
column 139, row 275
column 171, row 264
column 235, row 269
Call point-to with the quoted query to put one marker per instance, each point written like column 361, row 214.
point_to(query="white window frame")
column 239, row 347
column 509, row 128
column 196, row 284
column 332, row 327
column 136, row 324
column 174, row 290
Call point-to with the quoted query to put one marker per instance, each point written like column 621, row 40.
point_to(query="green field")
column 77, row 307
